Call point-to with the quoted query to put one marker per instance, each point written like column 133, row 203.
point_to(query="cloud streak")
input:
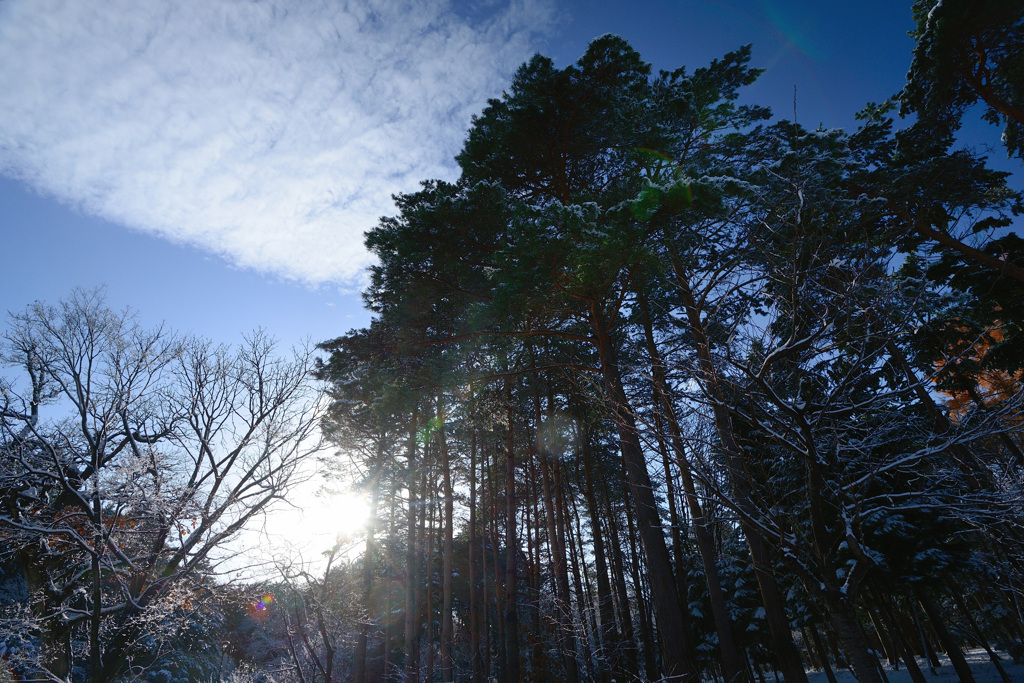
column 269, row 132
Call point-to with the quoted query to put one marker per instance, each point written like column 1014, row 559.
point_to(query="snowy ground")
column 981, row 665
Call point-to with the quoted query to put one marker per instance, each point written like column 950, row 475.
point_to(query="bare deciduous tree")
column 167, row 448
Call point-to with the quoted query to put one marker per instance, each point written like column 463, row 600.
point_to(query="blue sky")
column 214, row 163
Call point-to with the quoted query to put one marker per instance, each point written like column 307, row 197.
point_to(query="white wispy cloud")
column 271, row 132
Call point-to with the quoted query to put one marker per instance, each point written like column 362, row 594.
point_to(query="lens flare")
column 265, row 601
column 258, row 610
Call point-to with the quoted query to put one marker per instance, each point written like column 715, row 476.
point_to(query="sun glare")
column 346, row 513
column 318, row 520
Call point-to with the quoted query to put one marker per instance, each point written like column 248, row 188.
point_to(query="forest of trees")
column 658, row 389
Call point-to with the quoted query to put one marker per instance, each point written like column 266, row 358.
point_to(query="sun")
column 348, row 512
column 317, row 520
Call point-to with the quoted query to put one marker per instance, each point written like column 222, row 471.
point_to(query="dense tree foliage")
column 682, row 373
column 968, row 52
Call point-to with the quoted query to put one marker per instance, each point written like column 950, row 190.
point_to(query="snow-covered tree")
column 161, row 449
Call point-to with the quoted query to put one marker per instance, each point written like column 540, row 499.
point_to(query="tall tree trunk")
column 428, row 672
column 369, row 559
column 511, row 671
column 96, row 663
column 732, row 665
column 949, row 644
column 564, row 538
column 775, row 615
column 566, row 638
column 545, row 438
column 676, row 648
column 423, row 546
column 926, row 646
column 843, row 617
column 630, row 653
column 900, row 641
column 388, row 601
column 823, row 654
column 476, row 662
column 499, row 593
column 584, row 592
column 887, row 643
column 486, row 626
column 608, row 636
column 841, row 612
column 447, row 622
column 647, row 635
column 670, row 495
column 534, row 550
column 412, row 574
column 972, row 622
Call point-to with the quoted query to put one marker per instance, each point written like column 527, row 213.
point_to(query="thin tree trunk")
column 897, row 635
column 608, row 636
column 993, row 657
column 428, row 672
column 949, row 644
column 534, row 550
column 388, row 598
column 499, row 593
column 647, row 635
column 584, row 595
column 292, row 649
column 424, row 544
column 670, row 495
column 447, row 620
column 369, row 558
column 412, row 574
column 555, row 508
column 823, row 654
column 511, row 671
column 566, row 639
column 625, row 615
column 676, row 647
column 887, row 645
column 732, row 667
column 486, row 634
column 476, row 663
column 778, row 625
column 929, row 651
column 96, row 663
